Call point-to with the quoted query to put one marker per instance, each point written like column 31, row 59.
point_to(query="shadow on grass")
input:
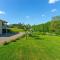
column 36, row 37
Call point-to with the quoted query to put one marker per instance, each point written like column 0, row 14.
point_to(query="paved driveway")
column 13, row 37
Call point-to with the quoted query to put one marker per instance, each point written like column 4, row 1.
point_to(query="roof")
column 3, row 21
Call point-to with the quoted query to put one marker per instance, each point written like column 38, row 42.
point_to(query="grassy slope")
column 44, row 48
column 16, row 30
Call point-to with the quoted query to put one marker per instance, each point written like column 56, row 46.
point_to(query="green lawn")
column 16, row 30
column 43, row 48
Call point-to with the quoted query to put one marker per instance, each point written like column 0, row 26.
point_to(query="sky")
column 28, row 11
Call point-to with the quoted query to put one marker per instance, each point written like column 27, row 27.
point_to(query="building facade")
column 3, row 27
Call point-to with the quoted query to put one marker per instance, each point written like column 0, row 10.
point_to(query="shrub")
column 13, row 40
column 42, row 33
column 5, row 43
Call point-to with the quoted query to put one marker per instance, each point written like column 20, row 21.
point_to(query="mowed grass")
column 43, row 48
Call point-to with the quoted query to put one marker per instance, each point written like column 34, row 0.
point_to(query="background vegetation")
column 52, row 26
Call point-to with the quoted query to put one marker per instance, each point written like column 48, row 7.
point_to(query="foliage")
column 52, row 26
column 28, row 30
column 5, row 43
column 19, row 26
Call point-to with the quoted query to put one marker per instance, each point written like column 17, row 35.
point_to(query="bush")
column 42, row 33
column 13, row 40
column 5, row 43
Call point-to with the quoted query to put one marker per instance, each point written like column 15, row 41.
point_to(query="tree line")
column 52, row 26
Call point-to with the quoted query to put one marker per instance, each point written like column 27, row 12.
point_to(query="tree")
column 55, row 25
column 27, row 29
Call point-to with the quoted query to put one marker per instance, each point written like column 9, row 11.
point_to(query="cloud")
column 53, row 1
column 2, row 13
column 27, row 16
column 53, row 10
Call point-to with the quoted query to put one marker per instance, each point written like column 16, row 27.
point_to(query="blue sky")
column 29, row 11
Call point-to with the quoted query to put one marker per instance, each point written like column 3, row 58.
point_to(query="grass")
column 16, row 30
column 44, row 48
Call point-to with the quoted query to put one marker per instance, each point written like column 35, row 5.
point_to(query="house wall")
column 0, row 27
column 0, row 31
column 0, row 24
column 3, row 27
